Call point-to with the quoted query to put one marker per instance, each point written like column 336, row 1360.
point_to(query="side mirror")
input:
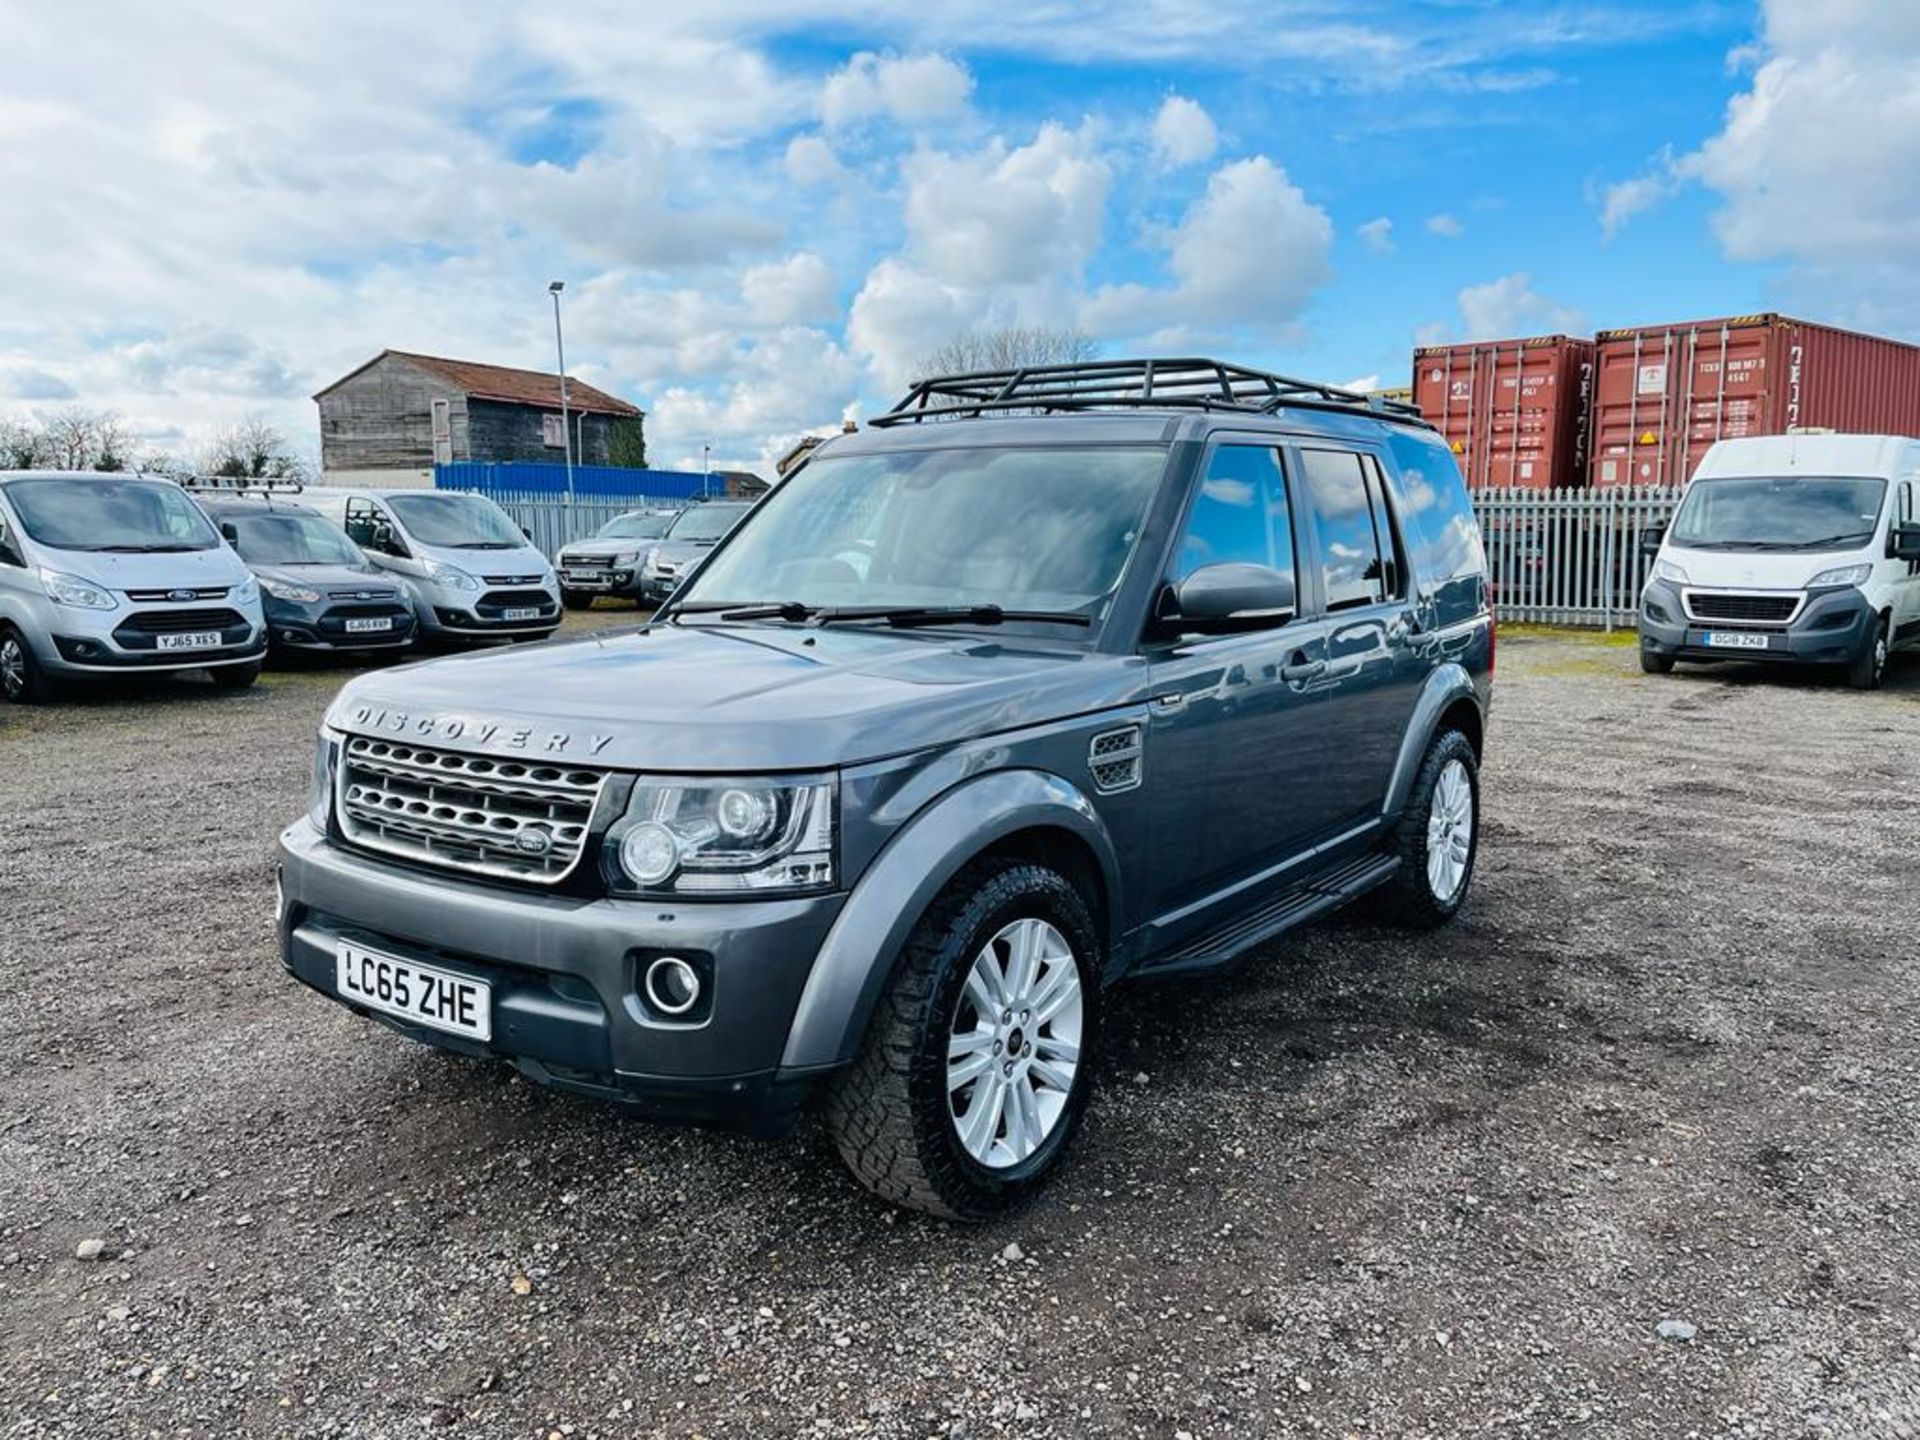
column 1650, row 539
column 1904, row 542
column 230, row 533
column 1217, row 599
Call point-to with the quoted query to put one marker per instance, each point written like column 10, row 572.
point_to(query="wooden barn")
column 405, row 412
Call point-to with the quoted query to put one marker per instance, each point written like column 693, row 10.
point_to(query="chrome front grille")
column 514, row 819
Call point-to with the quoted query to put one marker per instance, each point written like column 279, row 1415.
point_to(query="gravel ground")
column 1664, row 1068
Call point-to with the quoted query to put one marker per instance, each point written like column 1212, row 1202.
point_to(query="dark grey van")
column 1047, row 680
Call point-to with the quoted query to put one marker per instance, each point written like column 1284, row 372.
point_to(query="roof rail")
column 238, row 485
column 1186, row 384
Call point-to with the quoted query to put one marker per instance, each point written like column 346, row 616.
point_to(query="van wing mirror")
column 1904, row 542
column 1222, row 598
column 230, row 532
column 1651, row 539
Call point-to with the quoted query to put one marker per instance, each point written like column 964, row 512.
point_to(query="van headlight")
column 247, row 591
column 724, row 836
column 326, row 754
column 451, row 576
column 72, row 590
column 1667, row 570
column 1842, row 575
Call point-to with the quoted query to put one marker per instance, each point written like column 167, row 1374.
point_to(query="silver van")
column 113, row 575
column 474, row 575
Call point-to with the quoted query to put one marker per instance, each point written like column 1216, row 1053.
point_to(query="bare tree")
column 19, row 445
column 254, row 450
column 1008, row 348
column 77, row 439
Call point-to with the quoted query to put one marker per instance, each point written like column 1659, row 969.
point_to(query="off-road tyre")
column 22, row 681
column 1869, row 667
column 1409, row 898
column 235, row 677
column 888, row 1112
column 1652, row 662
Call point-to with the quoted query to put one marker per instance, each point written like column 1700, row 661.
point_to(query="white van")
column 117, row 575
column 474, row 574
column 1802, row 548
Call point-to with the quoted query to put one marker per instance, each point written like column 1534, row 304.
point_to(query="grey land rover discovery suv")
column 1049, row 679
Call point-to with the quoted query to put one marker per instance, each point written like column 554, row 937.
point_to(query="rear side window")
column 1359, row 560
column 1240, row 515
column 1438, row 526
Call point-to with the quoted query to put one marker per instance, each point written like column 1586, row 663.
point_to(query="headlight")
column 1841, row 575
column 626, row 557
column 281, row 590
column 695, row 837
column 326, row 747
column 652, row 566
column 1667, row 570
column 72, row 590
column 247, row 591
column 450, row 576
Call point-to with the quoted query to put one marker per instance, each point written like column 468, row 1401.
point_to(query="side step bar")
column 1295, row 907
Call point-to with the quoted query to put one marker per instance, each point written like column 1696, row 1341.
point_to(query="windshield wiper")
column 143, row 549
column 483, row 545
column 1851, row 537
column 904, row 616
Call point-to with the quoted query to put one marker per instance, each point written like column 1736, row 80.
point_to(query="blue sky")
column 768, row 212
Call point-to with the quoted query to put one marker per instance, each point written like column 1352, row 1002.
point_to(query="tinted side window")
column 1345, row 520
column 1240, row 515
column 1437, row 523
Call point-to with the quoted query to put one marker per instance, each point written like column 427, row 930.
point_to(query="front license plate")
column 1735, row 640
column 585, row 577
column 521, row 612
column 420, row 993
column 369, row 625
column 192, row 640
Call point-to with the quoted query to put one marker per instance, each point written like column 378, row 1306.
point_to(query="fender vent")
column 1114, row 758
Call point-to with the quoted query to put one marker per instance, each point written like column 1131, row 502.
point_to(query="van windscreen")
column 138, row 516
column 1759, row 512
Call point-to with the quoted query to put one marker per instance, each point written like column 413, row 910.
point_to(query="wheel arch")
column 1025, row 813
column 1450, row 700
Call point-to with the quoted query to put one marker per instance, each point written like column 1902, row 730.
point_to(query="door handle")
column 1301, row 668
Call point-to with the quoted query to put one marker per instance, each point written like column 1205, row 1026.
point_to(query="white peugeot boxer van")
column 1801, row 548
column 474, row 575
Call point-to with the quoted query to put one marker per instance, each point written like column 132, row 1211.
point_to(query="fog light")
column 673, row 987
column 650, row 852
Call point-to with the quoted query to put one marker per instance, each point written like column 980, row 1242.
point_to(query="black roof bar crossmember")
column 1128, row 384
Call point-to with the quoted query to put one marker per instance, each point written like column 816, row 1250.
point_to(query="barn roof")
column 502, row 383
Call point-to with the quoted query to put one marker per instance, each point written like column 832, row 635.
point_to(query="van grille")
column 1755, row 609
column 514, row 819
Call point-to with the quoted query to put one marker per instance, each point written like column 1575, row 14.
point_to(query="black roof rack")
column 239, row 487
column 1129, row 384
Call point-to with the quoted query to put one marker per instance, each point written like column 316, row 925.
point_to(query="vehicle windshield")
column 95, row 514
column 1035, row 529
column 1779, row 513
column 634, row 527
column 456, row 522
column 705, row 522
column 278, row 537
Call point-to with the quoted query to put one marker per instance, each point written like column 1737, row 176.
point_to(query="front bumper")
column 1832, row 628
column 597, row 580
column 565, row 974
column 656, row 589
column 323, row 628
column 129, row 640
column 470, row 622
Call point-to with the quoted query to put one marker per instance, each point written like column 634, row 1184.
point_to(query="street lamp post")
column 566, row 430
column 706, row 452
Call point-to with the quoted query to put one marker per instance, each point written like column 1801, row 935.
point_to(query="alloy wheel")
column 1014, row 1048
column 1449, row 831
column 13, row 668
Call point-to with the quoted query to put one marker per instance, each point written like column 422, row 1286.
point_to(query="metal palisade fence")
column 535, row 494
column 554, row 522
column 1570, row 557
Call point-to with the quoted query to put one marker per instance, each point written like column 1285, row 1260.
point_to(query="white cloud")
column 913, row 89
column 902, row 314
column 1248, row 254
column 1624, row 199
column 1183, row 133
column 1448, row 227
column 1377, row 235
column 799, row 290
column 811, row 162
column 1510, row 306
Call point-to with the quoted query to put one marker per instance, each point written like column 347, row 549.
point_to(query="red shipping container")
column 1667, row 392
column 1514, row 412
